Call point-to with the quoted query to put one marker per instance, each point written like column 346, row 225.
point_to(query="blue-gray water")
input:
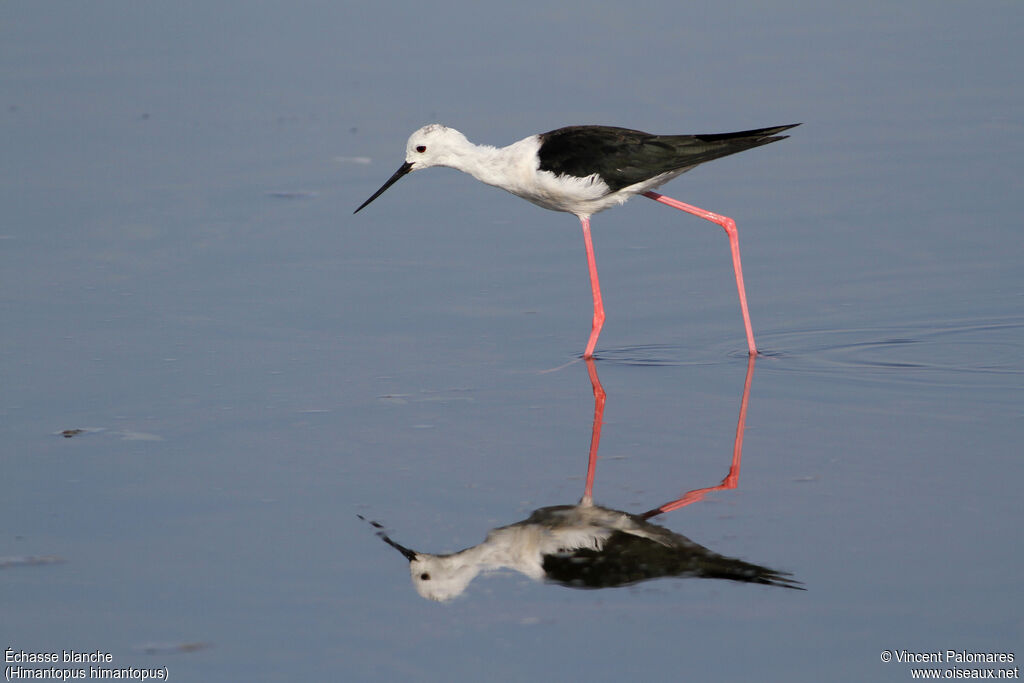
column 182, row 278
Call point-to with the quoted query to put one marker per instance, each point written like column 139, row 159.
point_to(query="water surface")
column 251, row 367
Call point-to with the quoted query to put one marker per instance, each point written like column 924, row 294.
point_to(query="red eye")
column 421, row 149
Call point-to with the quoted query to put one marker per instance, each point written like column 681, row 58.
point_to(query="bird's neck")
column 491, row 165
column 513, row 547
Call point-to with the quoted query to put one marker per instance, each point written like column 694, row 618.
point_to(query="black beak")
column 409, row 554
column 403, row 169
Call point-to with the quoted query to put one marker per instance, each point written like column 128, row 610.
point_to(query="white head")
column 431, row 145
column 435, row 577
column 441, row 577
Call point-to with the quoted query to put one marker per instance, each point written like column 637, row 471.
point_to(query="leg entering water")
column 595, row 288
column 734, row 244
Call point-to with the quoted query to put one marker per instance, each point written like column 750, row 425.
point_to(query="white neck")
column 510, row 168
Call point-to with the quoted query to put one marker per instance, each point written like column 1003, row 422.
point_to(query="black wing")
column 623, row 157
column 626, row 559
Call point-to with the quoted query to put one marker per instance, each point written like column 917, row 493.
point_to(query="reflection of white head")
column 441, row 577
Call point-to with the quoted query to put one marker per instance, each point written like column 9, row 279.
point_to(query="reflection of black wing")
column 627, row 559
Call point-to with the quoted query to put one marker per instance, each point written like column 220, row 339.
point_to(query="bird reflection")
column 591, row 546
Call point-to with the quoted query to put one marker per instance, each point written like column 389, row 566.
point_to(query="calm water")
column 251, row 367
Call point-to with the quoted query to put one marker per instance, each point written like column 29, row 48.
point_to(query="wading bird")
column 585, row 169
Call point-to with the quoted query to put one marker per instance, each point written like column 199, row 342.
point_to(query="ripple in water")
column 950, row 352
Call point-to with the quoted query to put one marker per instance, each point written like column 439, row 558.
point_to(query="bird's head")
column 431, row 145
column 441, row 577
column 435, row 577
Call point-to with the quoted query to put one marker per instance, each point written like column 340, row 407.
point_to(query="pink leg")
column 733, row 478
column 595, row 437
column 734, row 244
column 595, row 287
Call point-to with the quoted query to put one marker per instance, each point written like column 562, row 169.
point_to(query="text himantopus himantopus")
column 585, row 169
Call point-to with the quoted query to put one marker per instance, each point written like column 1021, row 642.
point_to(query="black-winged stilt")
column 591, row 546
column 585, row 169
column 580, row 546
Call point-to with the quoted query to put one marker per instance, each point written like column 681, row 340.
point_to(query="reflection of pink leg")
column 595, row 437
column 595, row 287
column 734, row 244
column 731, row 479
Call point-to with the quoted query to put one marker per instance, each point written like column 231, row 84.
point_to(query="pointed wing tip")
column 778, row 129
